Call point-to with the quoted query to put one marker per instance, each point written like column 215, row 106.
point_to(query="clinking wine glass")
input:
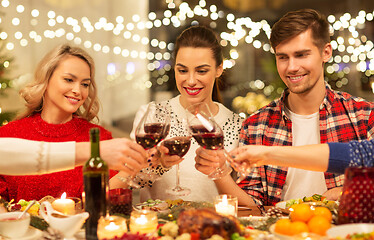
column 152, row 129
column 207, row 133
column 243, row 168
column 178, row 146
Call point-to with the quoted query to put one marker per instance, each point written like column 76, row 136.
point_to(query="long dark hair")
column 202, row 37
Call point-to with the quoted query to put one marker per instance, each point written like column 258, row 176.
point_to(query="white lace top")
column 202, row 188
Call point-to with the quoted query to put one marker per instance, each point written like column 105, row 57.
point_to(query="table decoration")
column 11, row 226
column 64, row 205
column 68, row 225
column 143, row 221
column 351, row 230
column 226, row 205
column 357, row 200
column 134, row 236
column 78, row 204
column 111, row 226
column 120, row 200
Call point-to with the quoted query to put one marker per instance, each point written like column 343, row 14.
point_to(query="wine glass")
column 207, row 133
column 178, row 146
column 243, row 169
column 152, row 129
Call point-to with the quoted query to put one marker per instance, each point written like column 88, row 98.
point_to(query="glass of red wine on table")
column 207, row 134
column 152, row 129
column 178, row 146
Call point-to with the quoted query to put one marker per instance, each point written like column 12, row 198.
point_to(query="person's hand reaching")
column 124, row 155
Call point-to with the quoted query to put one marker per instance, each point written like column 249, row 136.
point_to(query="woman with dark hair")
column 198, row 66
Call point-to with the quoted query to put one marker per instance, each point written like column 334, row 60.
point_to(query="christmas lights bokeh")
column 352, row 49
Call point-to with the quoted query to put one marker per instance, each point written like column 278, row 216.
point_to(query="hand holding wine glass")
column 152, row 129
column 207, row 133
column 244, row 158
column 178, row 146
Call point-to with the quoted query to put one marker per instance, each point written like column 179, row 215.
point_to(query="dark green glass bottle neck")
column 95, row 142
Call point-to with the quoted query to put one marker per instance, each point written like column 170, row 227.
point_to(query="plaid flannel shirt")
column 342, row 118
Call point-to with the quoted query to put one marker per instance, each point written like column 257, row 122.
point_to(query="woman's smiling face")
column 195, row 74
column 67, row 89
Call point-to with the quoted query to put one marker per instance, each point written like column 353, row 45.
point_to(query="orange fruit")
column 283, row 226
column 319, row 225
column 301, row 212
column 324, row 212
column 298, row 227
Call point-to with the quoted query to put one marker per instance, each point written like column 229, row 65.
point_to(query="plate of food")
column 160, row 206
column 315, row 200
column 362, row 231
column 304, row 235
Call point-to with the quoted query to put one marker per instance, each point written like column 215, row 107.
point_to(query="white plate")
column 31, row 234
column 345, row 229
column 283, row 204
column 303, row 235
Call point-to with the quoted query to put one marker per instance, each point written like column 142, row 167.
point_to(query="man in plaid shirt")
column 308, row 112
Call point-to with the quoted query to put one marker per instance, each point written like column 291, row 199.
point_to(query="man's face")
column 300, row 62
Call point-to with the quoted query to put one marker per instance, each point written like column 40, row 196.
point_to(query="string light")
column 352, row 49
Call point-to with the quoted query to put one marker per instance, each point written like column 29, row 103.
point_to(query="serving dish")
column 341, row 231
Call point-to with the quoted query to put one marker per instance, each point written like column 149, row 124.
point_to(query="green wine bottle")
column 96, row 186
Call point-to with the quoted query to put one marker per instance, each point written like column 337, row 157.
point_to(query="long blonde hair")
column 34, row 92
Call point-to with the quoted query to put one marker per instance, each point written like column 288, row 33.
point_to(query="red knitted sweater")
column 53, row 184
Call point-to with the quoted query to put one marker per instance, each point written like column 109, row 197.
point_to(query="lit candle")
column 111, row 227
column 64, row 205
column 144, row 221
column 226, row 205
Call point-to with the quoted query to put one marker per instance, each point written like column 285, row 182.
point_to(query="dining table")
column 251, row 211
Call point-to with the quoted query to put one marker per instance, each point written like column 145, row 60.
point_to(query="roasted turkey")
column 207, row 222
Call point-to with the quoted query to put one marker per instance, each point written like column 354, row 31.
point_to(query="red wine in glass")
column 178, row 145
column 212, row 141
column 207, row 133
column 160, row 128
column 148, row 141
column 153, row 127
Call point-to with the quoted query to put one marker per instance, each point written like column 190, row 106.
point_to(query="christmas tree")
column 5, row 83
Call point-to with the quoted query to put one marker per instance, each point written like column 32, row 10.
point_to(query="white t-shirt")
column 202, row 188
column 299, row 182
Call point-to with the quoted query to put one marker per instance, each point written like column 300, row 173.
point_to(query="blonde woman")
column 61, row 102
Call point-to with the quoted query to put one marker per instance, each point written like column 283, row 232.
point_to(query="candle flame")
column 224, row 200
column 63, row 196
column 141, row 220
column 112, row 226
